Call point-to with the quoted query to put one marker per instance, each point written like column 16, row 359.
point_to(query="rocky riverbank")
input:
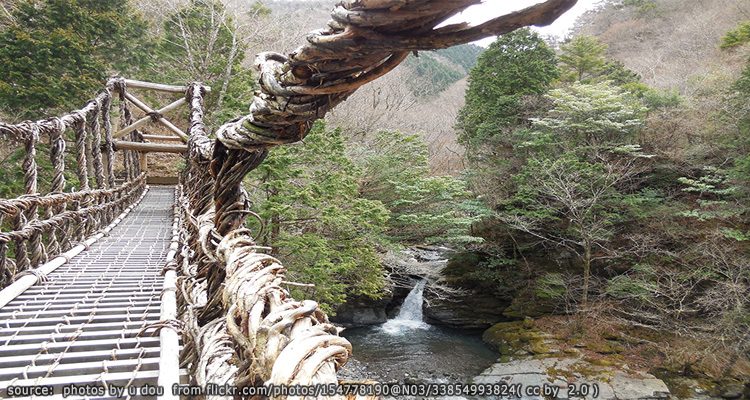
column 557, row 351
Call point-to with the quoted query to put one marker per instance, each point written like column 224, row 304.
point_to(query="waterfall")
column 410, row 315
column 411, row 310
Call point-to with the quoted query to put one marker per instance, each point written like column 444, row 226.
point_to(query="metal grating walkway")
column 80, row 326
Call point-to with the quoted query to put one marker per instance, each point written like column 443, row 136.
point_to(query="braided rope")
column 108, row 143
column 75, row 214
column 29, row 165
column 82, row 163
column 96, row 144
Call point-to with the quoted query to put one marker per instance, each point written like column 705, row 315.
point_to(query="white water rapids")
column 410, row 315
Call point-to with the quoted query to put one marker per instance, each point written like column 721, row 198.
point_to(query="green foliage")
column 643, row 6
column 589, row 116
column 738, row 111
column 424, row 209
column 655, row 99
column 616, row 72
column 737, row 37
column 713, row 190
column 434, row 210
column 435, row 75
column 563, row 194
column 567, row 192
column 465, row 55
column 516, row 66
column 551, row 286
column 326, row 234
column 735, row 234
column 57, row 53
column 629, row 287
column 582, row 58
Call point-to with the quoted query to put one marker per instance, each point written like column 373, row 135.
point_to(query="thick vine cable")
column 244, row 326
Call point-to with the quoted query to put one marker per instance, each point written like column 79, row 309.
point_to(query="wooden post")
column 143, row 161
column 157, row 86
column 161, row 137
column 105, row 164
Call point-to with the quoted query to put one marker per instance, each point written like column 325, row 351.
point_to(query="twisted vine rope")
column 67, row 217
column 242, row 325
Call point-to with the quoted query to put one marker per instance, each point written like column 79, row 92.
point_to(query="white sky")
column 493, row 8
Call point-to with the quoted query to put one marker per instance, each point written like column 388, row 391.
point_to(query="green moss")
column 539, row 347
column 589, row 368
column 512, row 337
column 603, row 362
column 606, row 347
column 611, row 335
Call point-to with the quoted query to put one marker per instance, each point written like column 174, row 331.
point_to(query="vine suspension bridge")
column 130, row 280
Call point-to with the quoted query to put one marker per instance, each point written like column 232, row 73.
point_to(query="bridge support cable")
column 244, row 326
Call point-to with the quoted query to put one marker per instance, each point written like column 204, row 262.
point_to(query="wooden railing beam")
column 143, row 106
column 158, row 86
column 162, row 137
column 150, row 147
column 143, row 121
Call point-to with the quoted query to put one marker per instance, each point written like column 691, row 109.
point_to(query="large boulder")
column 477, row 302
column 361, row 311
column 555, row 377
column 474, row 310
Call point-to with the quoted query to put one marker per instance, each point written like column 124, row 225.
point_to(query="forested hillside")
column 616, row 169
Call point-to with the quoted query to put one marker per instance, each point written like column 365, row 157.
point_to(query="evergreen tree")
column 424, row 209
column 315, row 220
column 737, row 37
column 518, row 65
column 588, row 118
column 58, row 52
column 582, row 58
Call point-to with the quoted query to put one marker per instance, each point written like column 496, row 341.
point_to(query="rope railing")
column 42, row 226
column 242, row 327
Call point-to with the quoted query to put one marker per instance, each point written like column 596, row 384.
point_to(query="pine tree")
column 582, row 58
column 516, row 66
column 313, row 217
column 56, row 53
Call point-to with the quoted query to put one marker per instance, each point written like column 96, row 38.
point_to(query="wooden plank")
column 143, row 106
column 143, row 121
column 162, row 180
column 164, row 138
column 158, row 86
column 150, row 147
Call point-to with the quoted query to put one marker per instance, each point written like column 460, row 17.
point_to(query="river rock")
column 556, row 374
column 474, row 310
column 359, row 312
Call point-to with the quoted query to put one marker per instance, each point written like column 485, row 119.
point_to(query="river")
column 407, row 348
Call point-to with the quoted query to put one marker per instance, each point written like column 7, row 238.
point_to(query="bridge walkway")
column 81, row 326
